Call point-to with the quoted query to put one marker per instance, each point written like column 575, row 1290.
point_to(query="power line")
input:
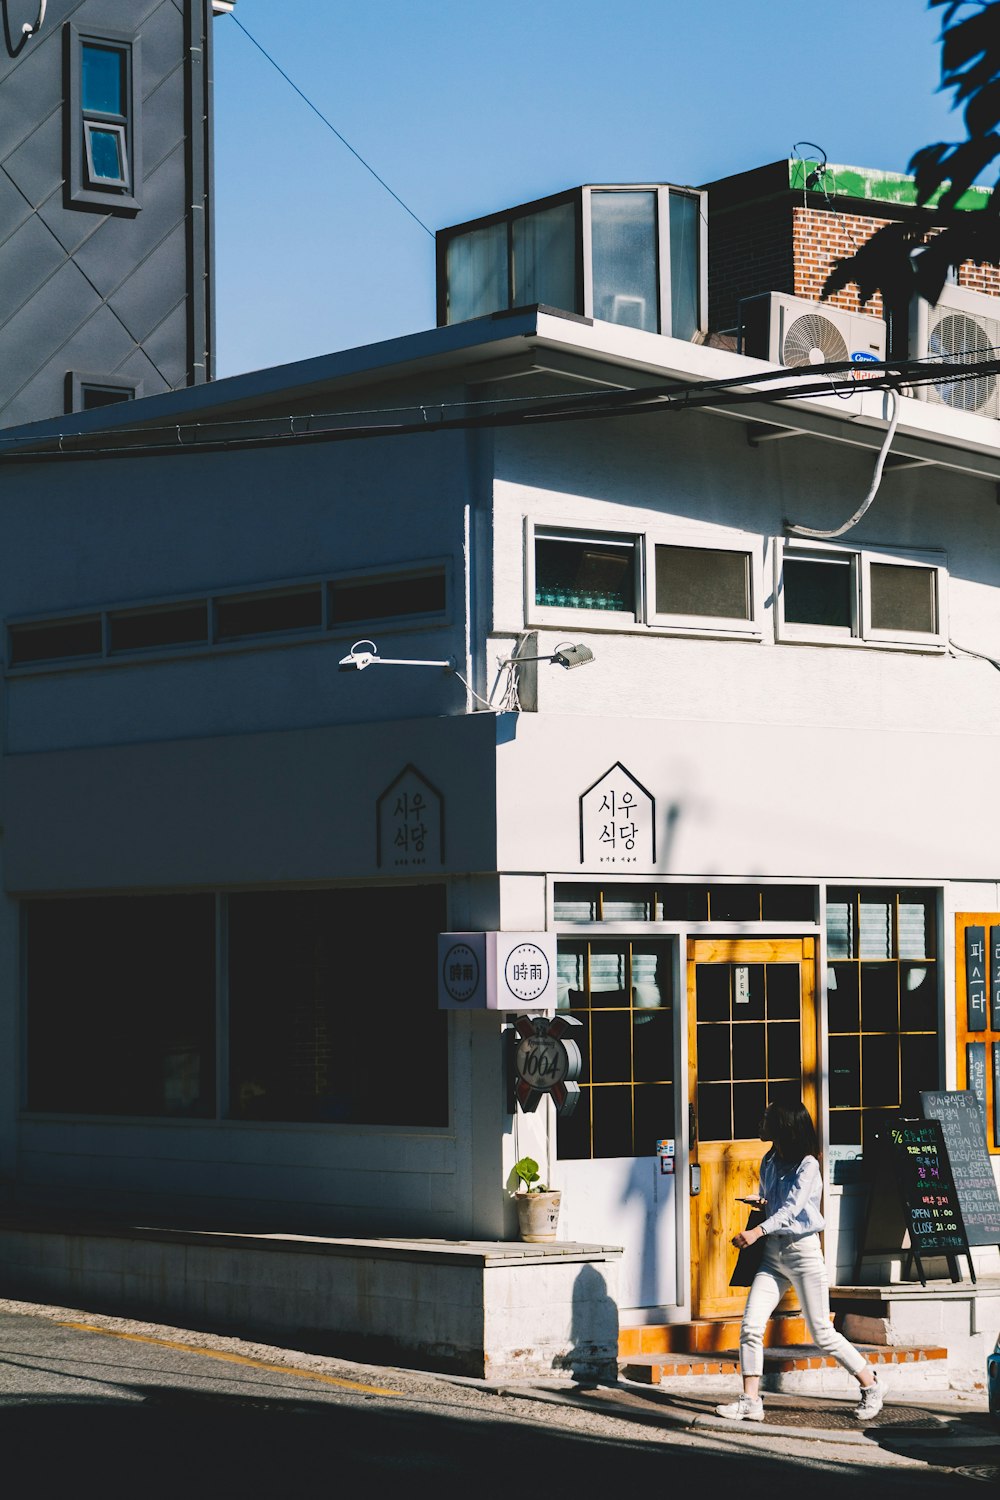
column 809, row 382
column 343, row 139
column 843, row 378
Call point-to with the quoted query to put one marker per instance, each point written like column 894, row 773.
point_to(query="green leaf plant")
column 524, row 1177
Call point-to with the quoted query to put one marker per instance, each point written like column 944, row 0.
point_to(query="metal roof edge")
column 959, row 440
column 389, row 359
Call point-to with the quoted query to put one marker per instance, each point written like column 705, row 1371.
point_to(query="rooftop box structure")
column 634, row 254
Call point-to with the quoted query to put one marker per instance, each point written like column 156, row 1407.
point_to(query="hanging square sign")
column 497, row 971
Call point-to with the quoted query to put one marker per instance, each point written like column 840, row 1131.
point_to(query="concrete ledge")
column 506, row 1310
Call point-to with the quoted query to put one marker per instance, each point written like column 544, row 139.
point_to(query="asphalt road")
column 101, row 1406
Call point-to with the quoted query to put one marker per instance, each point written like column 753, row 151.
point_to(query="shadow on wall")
column 593, row 1355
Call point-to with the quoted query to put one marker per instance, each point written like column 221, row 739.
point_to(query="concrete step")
column 651, row 1369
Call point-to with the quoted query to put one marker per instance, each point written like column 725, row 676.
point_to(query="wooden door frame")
column 750, row 950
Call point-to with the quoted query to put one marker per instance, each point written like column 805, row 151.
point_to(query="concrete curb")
column 947, row 1435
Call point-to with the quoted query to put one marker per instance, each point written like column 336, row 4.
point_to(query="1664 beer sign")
column 547, row 1061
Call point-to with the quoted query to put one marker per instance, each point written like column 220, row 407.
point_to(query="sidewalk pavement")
column 947, row 1431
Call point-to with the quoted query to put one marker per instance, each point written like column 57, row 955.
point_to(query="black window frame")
column 507, row 216
column 83, row 188
column 78, row 382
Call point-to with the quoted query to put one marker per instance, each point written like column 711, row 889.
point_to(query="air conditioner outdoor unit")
column 792, row 331
column 963, row 329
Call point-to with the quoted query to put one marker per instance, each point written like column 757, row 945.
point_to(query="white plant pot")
column 538, row 1216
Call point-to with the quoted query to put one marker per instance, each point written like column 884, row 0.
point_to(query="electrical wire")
column 827, row 536
column 912, row 373
column 733, row 391
column 979, row 655
column 343, row 139
column 478, row 696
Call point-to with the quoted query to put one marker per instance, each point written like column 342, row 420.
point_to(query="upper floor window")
column 408, row 598
column 104, row 74
column 104, row 124
column 632, row 255
column 696, row 585
column 585, row 570
column 836, row 594
column 620, row 577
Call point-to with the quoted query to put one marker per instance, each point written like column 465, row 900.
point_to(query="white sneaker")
column 746, row 1409
column 871, row 1401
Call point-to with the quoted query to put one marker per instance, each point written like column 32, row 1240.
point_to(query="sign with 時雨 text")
column 496, row 970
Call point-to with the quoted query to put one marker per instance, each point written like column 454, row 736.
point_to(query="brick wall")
column 779, row 247
column 749, row 251
column 821, row 238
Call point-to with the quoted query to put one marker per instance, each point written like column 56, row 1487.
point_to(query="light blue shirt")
column 793, row 1194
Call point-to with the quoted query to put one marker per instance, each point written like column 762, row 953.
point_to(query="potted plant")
column 537, row 1207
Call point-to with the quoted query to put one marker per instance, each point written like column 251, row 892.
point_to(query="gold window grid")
column 858, row 961
column 586, row 1014
column 765, row 1021
column 656, row 897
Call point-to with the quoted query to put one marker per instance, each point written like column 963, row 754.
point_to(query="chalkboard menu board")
column 964, row 1128
column 930, row 1199
column 914, row 1203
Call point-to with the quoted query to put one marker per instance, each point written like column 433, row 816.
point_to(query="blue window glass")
column 103, row 76
column 106, row 155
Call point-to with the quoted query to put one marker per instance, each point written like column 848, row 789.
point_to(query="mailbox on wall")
column 497, row 971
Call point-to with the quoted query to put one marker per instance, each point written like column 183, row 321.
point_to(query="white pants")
column 798, row 1263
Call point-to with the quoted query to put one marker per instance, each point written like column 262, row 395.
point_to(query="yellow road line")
column 233, row 1359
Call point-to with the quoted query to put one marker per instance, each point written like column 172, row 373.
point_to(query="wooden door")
column 751, row 1038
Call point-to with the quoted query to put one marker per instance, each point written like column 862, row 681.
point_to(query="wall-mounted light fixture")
column 565, row 655
column 365, row 654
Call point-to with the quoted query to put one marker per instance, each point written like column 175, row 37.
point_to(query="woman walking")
column 790, row 1192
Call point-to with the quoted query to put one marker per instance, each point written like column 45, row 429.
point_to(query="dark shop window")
column 354, row 599
column 54, row 641
column 121, row 1005
column 333, row 1007
column 268, row 614
column 147, row 629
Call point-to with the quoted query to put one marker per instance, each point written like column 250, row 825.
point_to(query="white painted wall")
column 261, row 767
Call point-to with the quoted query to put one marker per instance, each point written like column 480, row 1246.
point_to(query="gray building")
column 105, row 202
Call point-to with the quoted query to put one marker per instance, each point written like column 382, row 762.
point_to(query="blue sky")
column 466, row 106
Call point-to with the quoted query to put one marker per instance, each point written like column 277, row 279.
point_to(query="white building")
column 754, row 822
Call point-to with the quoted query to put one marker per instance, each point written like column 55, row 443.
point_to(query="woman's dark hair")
column 791, row 1129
